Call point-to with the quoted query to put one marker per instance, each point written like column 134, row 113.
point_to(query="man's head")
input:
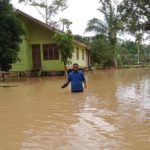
column 75, row 67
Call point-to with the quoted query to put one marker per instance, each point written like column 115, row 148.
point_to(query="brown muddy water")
column 113, row 113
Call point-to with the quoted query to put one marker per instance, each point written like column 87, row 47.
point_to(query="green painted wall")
column 37, row 34
column 22, row 64
column 80, row 61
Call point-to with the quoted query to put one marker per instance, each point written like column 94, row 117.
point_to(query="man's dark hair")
column 75, row 64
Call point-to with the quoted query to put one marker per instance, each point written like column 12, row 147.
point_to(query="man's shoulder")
column 70, row 72
column 81, row 72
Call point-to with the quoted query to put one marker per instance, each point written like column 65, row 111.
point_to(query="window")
column 77, row 53
column 82, row 54
column 50, row 52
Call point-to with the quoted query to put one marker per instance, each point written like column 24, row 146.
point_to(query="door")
column 36, row 57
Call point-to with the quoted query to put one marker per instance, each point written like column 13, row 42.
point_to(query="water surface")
column 113, row 113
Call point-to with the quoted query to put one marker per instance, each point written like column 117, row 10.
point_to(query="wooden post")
column 3, row 76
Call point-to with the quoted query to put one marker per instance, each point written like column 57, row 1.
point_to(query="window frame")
column 50, row 52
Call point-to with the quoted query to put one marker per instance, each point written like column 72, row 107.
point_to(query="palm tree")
column 65, row 23
column 109, row 26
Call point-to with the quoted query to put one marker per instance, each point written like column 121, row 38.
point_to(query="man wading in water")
column 77, row 79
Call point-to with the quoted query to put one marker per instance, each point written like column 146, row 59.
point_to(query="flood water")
column 113, row 113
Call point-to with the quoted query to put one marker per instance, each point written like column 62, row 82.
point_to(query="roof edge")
column 18, row 11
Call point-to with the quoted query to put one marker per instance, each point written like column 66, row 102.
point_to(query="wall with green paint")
column 35, row 34
column 38, row 34
column 21, row 65
column 80, row 61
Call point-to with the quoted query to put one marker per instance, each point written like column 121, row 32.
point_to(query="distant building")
column 39, row 51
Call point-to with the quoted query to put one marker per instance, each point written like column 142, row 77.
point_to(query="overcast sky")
column 78, row 11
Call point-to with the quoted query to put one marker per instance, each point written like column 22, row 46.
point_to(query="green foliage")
column 109, row 27
column 128, row 15
column 127, row 53
column 65, row 23
column 146, row 49
column 136, row 14
column 11, row 32
column 83, row 39
column 65, row 44
column 101, row 51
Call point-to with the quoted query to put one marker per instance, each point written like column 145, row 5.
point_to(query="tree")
column 65, row 45
column 83, row 39
column 146, row 54
column 136, row 13
column 127, row 53
column 47, row 9
column 11, row 32
column 101, row 55
column 109, row 27
column 65, row 23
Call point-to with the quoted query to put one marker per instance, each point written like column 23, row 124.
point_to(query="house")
column 39, row 51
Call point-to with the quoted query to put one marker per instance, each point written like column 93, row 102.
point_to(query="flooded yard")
column 113, row 113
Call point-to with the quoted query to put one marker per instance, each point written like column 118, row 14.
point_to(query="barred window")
column 50, row 52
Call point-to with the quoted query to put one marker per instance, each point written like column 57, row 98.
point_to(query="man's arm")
column 65, row 84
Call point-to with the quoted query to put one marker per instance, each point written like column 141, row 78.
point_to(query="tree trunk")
column 65, row 69
column 114, row 57
column 115, row 62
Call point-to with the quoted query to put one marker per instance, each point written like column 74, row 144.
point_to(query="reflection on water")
column 112, row 114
